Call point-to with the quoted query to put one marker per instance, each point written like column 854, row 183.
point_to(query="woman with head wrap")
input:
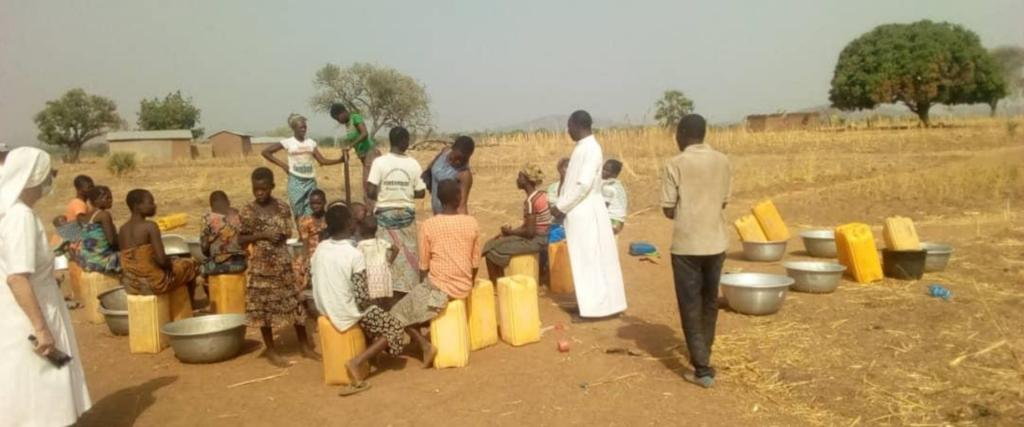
column 302, row 153
column 33, row 391
column 532, row 235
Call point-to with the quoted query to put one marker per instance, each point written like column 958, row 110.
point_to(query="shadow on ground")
column 659, row 341
column 124, row 406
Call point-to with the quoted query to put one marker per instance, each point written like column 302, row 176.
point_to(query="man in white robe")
column 592, row 250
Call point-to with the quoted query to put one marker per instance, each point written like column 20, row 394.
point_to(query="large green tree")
column 1010, row 60
column 74, row 119
column 173, row 112
column 385, row 96
column 672, row 106
column 920, row 64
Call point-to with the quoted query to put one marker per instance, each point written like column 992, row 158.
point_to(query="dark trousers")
column 696, row 279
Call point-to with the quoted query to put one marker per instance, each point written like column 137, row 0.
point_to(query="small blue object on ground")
column 938, row 291
column 642, row 248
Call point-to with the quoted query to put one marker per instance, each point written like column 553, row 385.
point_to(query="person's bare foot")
column 429, row 353
column 353, row 373
column 309, row 353
column 274, row 358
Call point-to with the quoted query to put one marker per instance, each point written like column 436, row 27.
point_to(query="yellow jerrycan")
column 227, row 293
column 95, row 284
column 146, row 314
column 526, row 265
column 483, row 317
column 518, row 311
column 560, row 269
column 900, row 235
column 339, row 347
column 855, row 245
column 449, row 333
column 771, row 222
column 749, row 229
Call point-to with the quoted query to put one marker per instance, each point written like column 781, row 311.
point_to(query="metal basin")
column 206, row 339
column 755, row 293
column 815, row 276
column 195, row 249
column 296, row 248
column 175, row 245
column 764, row 251
column 117, row 321
column 938, row 256
column 115, row 299
column 820, row 243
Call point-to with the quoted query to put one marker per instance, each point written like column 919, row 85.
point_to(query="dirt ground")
column 878, row 354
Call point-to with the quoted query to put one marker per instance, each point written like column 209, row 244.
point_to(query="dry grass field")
column 878, row 354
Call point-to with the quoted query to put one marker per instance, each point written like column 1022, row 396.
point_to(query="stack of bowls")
column 114, row 308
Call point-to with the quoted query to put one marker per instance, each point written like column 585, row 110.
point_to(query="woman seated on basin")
column 145, row 268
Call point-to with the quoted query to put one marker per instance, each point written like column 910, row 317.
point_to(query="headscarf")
column 25, row 167
column 533, row 173
column 294, row 119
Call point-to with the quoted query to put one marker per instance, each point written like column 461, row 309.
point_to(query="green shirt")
column 366, row 144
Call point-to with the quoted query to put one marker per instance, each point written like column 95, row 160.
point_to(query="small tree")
column 74, row 119
column 385, row 96
column 920, row 65
column 173, row 112
column 672, row 106
column 1010, row 60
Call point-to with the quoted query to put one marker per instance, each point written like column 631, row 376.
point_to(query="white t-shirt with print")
column 300, row 157
column 397, row 178
column 332, row 267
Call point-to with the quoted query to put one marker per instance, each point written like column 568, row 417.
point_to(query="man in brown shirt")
column 694, row 191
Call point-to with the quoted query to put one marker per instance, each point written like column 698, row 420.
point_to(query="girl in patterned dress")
column 219, row 238
column 271, row 297
column 98, row 252
column 310, row 229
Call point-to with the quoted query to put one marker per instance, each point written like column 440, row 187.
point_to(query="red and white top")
column 537, row 204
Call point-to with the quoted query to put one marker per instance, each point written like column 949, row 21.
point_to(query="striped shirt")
column 537, row 204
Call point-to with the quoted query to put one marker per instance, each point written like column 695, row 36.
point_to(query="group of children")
column 345, row 266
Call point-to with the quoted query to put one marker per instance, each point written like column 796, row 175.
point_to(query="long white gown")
column 592, row 250
column 32, row 391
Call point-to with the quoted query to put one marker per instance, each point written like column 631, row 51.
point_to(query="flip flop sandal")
column 354, row 389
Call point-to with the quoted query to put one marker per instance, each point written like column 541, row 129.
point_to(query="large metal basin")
column 755, row 293
column 195, row 249
column 815, row 276
column 764, row 251
column 296, row 248
column 206, row 339
column 117, row 321
column 175, row 245
column 820, row 243
column 114, row 299
column 938, row 256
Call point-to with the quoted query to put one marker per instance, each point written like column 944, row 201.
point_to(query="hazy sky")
column 248, row 64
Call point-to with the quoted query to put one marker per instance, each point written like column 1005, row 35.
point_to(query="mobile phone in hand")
column 56, row 357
